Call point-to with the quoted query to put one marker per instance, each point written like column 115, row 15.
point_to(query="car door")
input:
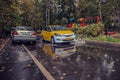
column 48, row 34
column 45, row 33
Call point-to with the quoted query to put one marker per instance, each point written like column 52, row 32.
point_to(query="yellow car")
column 57, row 34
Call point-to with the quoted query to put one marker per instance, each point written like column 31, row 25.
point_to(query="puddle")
column 59, row 50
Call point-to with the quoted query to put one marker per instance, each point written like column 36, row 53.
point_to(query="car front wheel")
column 34, row 42
column 13, row 42
column 42, row 39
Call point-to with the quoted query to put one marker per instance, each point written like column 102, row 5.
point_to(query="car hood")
column 64, row 32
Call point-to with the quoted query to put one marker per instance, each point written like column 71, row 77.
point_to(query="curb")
column 107, row 45
column 4, row 44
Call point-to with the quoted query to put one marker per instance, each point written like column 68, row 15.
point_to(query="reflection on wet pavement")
column 15, row 64
column 70, row 62
column 62, row 51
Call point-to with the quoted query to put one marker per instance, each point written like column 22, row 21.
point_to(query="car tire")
column 52, row 40
column 34, row 42
column 13, row 42
column 42, row 39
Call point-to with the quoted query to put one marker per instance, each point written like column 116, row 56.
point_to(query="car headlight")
column 73, row 34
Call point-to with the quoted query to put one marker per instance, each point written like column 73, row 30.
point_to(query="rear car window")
column 24, row 28
column 56, row 28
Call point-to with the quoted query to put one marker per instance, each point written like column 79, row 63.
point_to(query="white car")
column 23, row 33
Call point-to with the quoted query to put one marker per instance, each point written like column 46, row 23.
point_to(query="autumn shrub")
column 92, row 30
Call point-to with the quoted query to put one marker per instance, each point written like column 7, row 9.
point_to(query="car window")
column 47, row 29
column 56, row 28
column 24, row 28
column 13, row 28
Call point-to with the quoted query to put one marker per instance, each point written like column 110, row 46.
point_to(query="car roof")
column 22, row 26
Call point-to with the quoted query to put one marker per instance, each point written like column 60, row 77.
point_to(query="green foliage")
column 57, row 21
column 75, row 30
column 33, row 12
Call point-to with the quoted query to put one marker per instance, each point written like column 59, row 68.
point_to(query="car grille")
column 68, row 35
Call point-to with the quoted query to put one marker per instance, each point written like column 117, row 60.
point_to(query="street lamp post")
column 100, row 11
column 47, row 12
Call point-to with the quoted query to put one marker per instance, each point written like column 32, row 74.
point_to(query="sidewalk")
column 2, row 42
column 117, row 35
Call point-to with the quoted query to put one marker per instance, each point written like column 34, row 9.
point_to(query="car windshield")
column 24, row 28
column 57, row 28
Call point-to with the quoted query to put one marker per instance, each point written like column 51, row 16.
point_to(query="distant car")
column 57, row 34
column 23, row 33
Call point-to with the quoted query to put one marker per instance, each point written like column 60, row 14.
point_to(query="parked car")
column 57, row 34
column 23, row 33
column 11, row 32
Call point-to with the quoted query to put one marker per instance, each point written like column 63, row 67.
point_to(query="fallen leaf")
column 75, row 72
column 53, row 73
column 88, row 75
column 117, row 59
column 7, row 58
column 61, row 78
column 89, row 57
column 68, row 58
column 46, row 62
column 64, row 74
column 31, row 61
column 10, row 70
column 1, row 70
column 113, row 70
column 22, row 79
column 15, row 61
column 54, row 67
column 29, row 65
column 3, row 67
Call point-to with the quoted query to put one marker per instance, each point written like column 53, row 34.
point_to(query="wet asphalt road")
column 15, row 64
column 83, row 62
column 63, row 61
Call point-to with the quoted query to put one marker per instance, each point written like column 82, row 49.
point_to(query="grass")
column 102, row 38
column 105, row 39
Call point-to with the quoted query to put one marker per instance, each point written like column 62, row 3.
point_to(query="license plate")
column 25, row 33
column 68, row 39
column 70, row 50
